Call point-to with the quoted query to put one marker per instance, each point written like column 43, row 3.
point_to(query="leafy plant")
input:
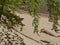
column 33, row 6
column 53, row 8
column 9, row 19
column 10, row 38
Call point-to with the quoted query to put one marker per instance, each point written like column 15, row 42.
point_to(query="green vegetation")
column 53, row 8
column 9, row 19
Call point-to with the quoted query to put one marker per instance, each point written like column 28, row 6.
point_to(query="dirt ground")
column 44, row 23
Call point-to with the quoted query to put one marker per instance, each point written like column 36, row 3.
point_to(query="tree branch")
column 25, row 35
column 46, row 32
column 44, row 41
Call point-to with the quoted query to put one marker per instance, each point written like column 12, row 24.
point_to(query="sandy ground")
column 28, row 30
